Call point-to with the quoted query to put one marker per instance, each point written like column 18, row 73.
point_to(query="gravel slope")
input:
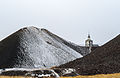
column 105, row 59
column 32, row 47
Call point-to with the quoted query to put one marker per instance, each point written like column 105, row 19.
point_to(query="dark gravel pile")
column 31, row 47
column 103, row 60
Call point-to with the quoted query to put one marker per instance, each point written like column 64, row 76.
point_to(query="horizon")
column 71, row 20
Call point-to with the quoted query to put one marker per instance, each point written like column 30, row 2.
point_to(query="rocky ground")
column 32, row 47
column 103, row 60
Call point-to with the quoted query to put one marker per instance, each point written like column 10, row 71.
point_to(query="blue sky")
column 69, row 19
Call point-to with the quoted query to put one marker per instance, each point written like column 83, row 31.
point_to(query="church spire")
column 89, row 42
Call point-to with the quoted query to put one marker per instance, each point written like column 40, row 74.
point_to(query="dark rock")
column 31, row 47
column 103, row 60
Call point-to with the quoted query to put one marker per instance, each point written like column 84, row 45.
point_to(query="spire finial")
column 88, row 35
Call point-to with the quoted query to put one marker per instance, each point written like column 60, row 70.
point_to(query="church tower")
column 89, row 43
